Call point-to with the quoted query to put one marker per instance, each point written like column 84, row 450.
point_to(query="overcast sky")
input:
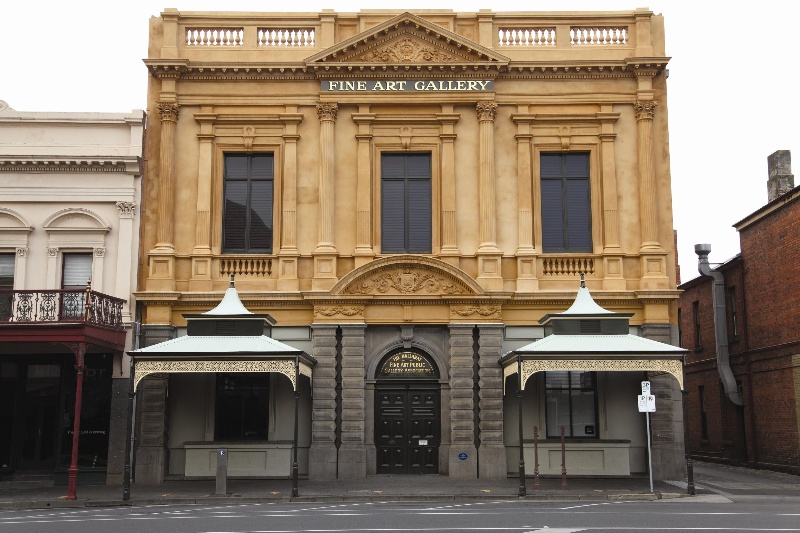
column 731, row 90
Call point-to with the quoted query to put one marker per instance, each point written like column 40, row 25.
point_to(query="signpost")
column 647, row 405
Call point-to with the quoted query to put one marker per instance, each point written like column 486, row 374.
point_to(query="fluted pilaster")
column 168, row 112
column 326, row 112
column 487, row 111
column 645, row 110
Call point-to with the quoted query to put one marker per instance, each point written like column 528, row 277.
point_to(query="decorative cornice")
column 31, row 164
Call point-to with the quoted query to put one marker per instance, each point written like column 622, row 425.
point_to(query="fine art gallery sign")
column 368, row 86
column 407, row 365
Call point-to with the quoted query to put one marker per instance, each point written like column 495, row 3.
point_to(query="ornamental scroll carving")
column 339, row 310
column 406, row 281
column 486, row 110
column 405, row 50
column 22, row 252
column 488, row 311
column 168, row 111
column 327, row 110
column 530, row 367
column 285, row 367
column 645, row 109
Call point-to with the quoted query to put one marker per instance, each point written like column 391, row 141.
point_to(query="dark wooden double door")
column 407, row 429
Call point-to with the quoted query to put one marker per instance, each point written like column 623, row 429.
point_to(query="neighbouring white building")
column 69, row 230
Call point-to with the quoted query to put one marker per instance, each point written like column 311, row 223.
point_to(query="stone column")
column 462, row 415
column 20, row 268
column 122, row 288
column 364, row 252
column 325, row 252
column 201, row 254
column 151, row 452
column 527, row 279
column 168, row 111
column 613, row 274
column 288, row 254
column 492, row 451
column 489, row 275
column 645, row 110
column 352, row 452
column 447, row 120
column 322, row 457
column 161, row 274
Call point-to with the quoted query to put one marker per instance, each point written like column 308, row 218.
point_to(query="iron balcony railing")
column 57, row 306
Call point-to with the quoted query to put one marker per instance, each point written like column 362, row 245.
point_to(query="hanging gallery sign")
column 371, row 86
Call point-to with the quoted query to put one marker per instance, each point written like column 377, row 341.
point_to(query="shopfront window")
column 571, row 403
column 242, row 407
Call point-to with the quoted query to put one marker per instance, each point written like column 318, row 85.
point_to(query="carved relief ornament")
column 487, row 311
column 406, row 281
column 486, row 110
column 168, row 111
column 126, row 209
column 339, row 310
column 645, row 109
column 405, row 50
column 327, row 110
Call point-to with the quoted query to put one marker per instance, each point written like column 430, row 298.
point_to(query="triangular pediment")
column 407, row 40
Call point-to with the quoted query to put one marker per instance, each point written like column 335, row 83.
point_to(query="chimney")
column 781, row 179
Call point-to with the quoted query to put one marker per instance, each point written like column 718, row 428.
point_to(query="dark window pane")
column 235, row 226
column 566, row 203
column 552, row 216
column 406, row 222
column 570, row 403
column 579, row 216
column 393, row 216
column 242, row 407
column 7, row 271
column 249, row 198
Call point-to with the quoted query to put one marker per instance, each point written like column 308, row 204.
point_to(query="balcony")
column 52, row 307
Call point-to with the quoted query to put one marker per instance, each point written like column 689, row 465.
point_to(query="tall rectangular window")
column 566, row 202
column 406, row 203
column 75, row 276
column 733, row 313
column 242, row 407
column 6, row 284
column 570, row 402
column 696, row 318
column 248, row 197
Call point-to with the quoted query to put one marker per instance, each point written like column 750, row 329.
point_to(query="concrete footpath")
column 713, row 482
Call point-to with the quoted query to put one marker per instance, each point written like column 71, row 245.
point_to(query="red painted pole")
column 72, row 471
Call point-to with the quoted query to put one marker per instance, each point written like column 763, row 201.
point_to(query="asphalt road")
column 711, row 513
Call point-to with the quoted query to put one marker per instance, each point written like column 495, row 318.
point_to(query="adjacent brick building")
column 756, row 421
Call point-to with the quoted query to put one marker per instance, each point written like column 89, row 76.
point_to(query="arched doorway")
column 407, row 414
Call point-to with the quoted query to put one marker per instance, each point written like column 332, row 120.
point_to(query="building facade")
column 407, row 194
column 70, row 186
column 739, row 321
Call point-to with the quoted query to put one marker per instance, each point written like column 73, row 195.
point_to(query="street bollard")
column 222, row 472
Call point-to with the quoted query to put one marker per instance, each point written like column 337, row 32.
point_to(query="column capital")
column 645, row 109
column 22, row 251
column 486, row 110
column 126, row 209
column 168, row 111
column 327, row 110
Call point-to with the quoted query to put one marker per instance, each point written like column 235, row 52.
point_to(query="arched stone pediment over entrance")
column 410, row 276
